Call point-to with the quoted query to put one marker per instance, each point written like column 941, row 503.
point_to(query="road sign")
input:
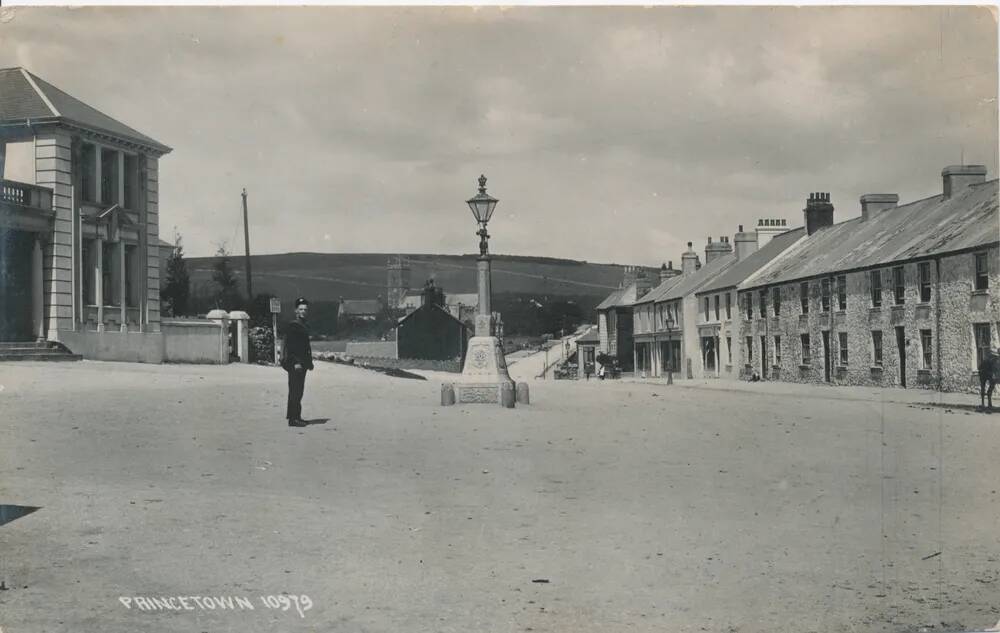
column 275, row 306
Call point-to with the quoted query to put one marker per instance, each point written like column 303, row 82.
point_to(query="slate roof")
column 24, row 97
column 433, row 306
column 592, row 336
column 611, row 300
column 683, row 285
column 742, row 269
column 360, row 307
column 932, row 226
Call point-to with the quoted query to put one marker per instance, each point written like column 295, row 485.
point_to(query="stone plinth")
column 484, row 373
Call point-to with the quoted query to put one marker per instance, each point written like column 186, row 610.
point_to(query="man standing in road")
column 296, row 359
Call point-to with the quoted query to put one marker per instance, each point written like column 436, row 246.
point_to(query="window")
column 806, row 357
column 729, row 347
column 706, row 308
column 898, row 285
column 716, row 307
column 776, row 300
column 109, row 176
column 748, row 300
column 842, row 336
column 749, row 350
column 131, row 276
column 777, row 350
column 877, row 348
column 875, row 278
column 131, row 178
column 804, row 296
column 87, row 174
column 982, row 334
column 842, row 292
column 108, row 263
column 924, row 268
column 729, row 305
column 982, row 272
column 925, row 346
column 762, row 300
column 825, row 294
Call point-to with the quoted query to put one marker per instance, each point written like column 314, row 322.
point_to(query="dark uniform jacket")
column 296, row 349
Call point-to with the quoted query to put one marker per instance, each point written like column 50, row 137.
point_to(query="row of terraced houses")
column 902, row 295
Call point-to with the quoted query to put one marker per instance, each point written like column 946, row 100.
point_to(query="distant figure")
column 989, row 372
column 296, row 359
column 600, row 372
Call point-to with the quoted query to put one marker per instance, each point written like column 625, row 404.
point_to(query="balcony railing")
column 25, row 195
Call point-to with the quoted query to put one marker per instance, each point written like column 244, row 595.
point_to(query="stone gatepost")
column 221, row 318
column 242, row 334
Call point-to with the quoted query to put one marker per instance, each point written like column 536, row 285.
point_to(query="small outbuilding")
column 431, row 332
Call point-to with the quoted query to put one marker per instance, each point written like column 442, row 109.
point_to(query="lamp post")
column 482, row 205
column 484, row 374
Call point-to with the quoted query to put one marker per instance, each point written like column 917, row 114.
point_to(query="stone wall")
column 952, row 356
column 371, row 349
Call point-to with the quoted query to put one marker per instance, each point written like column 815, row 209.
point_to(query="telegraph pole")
column 246, row 238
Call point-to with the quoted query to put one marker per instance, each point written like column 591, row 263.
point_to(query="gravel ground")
column 644, row 507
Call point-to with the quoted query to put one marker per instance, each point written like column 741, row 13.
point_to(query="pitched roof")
column 932, row 226
column 742, row 269
column 360, row 306
column 592, row 336
column 432, row 306
column 683, row 285
column 24, row 97
column 611, row 299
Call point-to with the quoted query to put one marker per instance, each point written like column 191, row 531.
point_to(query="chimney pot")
column 818, row 212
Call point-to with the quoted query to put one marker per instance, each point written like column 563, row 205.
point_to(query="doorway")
column 901, row 345
column 16, row 285
column 708, row 349
column 827, row 357
column 763, row 358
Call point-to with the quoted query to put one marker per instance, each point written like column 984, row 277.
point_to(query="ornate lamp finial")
column 482, row 183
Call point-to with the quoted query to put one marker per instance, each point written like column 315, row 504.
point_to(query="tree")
column 227, row 294
column 176, row 289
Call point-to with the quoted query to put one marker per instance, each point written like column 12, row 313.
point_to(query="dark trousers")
column 296, row 386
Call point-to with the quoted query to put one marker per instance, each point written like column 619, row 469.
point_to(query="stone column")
column 122, row 291
column 221, row 318
column 99, row 280
column 483, row 268
column 37, row 289
column 242, row 334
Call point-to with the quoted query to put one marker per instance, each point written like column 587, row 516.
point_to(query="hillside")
column 328, row 277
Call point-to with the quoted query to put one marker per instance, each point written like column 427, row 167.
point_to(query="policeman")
column 296, row 359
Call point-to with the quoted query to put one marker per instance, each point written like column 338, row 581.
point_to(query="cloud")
column 608, row 133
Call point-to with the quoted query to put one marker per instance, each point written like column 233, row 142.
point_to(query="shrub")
column 261, row 345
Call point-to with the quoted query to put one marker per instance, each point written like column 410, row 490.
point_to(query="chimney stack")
column 873, row 204
column 689, row 261
column 668, row 271
column 643, row 284
column 714, row 250
column 818, row 212
column 958, row 177
column 746, row 243
column 767, row 228
column 628, row 276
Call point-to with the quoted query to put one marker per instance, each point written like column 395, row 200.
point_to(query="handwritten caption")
column 217, row 603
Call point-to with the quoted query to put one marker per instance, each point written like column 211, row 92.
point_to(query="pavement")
column 603, row 506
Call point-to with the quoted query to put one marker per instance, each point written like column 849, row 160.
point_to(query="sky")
column 609, row 134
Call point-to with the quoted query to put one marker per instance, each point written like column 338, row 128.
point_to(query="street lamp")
column 484, row 373
column 669, row 322
column 482, row 205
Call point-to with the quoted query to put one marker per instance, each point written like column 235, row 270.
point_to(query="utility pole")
column 246, row 238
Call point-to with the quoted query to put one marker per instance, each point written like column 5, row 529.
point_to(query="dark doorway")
column 763, row 358
column 708, row 348
column 901, row 344
column 15, row 285
column 827, row 357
